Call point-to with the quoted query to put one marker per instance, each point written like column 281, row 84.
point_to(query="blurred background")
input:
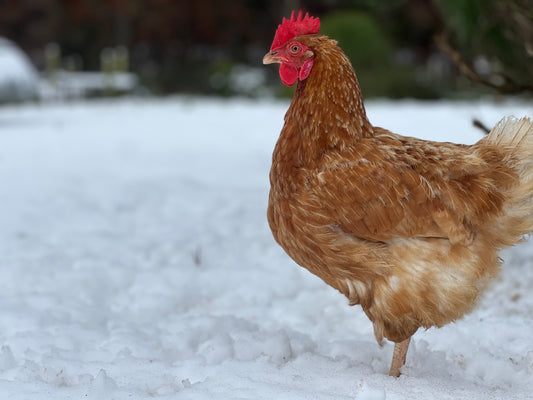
column 426, row 49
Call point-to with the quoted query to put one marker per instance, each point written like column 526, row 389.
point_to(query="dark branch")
column 478, row 124
column 508, row 87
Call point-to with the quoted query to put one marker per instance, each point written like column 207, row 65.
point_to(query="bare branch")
column 478, row 124
column 508, row 87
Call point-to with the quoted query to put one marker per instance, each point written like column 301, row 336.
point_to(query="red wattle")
column 288, row 74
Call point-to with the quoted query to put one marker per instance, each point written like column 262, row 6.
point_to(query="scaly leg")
column 398, row 357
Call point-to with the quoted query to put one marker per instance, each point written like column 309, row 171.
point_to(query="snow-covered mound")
column 18, row 77
column 136, row 263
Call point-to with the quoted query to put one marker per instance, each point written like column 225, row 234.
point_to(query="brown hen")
column 407, row 228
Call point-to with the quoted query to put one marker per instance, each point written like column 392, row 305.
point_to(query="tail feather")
column 514, row 133
column 516, row 136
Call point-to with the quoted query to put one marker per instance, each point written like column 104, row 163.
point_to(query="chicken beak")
column 271, row 58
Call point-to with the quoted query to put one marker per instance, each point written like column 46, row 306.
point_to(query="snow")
column 137, row 262
column 18, row 77
column 64, row 84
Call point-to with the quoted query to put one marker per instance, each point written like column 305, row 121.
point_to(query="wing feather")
column 391, row 187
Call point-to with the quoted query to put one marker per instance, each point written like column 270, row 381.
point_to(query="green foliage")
column 371, row 54
column 500, row 31
column 358, row 35
column 475, row 24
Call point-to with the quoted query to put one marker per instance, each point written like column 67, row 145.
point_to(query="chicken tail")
column 514, row 133
column 516, row 137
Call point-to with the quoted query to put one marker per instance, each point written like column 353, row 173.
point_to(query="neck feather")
column 327, row 110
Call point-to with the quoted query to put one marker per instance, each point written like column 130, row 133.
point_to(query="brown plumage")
column 407, row 228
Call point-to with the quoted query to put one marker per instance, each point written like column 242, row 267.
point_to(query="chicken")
column 407, row 228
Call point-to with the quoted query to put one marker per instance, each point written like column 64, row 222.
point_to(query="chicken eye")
column 294, row 48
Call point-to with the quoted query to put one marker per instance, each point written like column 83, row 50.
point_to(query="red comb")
column 293, row 27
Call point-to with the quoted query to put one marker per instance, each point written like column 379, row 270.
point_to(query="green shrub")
column 358, row 35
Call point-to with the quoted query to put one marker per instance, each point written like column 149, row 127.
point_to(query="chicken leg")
column 398, row 357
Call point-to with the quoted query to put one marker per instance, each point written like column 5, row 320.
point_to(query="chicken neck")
column 327, row 111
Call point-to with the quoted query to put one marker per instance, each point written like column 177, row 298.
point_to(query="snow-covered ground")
column 136, row 262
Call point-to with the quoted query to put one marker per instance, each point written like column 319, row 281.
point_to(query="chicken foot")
column 398, row 357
